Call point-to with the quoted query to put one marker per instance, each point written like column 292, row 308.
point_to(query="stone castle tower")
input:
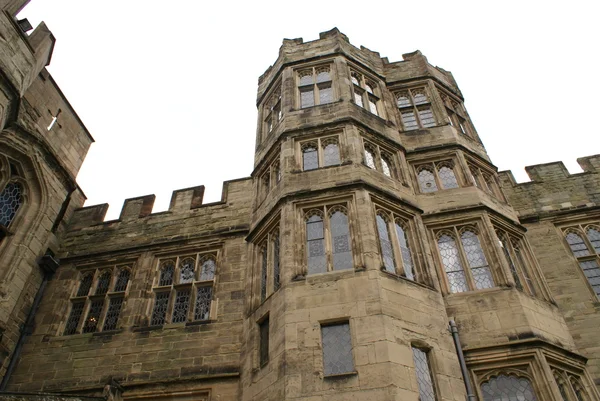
column 374, row 253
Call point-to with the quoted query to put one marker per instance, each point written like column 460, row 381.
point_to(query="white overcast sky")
column 168, row 88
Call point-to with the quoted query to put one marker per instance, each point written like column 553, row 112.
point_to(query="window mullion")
column 438, row 181
column 328, row 244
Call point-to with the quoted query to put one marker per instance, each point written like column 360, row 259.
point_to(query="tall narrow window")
column 423, row 373
column 370, row 157
column 272, row 109
column 268, row 255
column 276, row 261
column 476, row 259
column 394, row 244
column 437, row 175
column 315, row 86
column 365, row 92
column 586, row 248
column 457, row 116
column 102, row 306
column 263, row 328
column 189, row 297
column 337, row 349
column 452, row 263
column 333, row 252
column 11, row 199
column 263, row 271
column 508, row 387
column 321, row 152
column 415, row 109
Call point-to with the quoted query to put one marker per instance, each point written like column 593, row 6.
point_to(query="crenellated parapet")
column 553, row 189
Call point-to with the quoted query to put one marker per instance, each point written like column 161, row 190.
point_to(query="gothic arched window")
column 426, row 180
column 103, row 283
column 452, row 263
column 11, row 199
column 394, row 244
column 122, row 280
column 437, row 175
column 508, row 387
column 586, row 248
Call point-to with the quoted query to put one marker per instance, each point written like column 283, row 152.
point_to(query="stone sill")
column 341, row 375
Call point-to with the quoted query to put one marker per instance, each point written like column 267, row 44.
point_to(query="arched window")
column 587, row 251
column 264, row 267
column 314, row 85
column 11, row 199
column 85, row 284
column 480, row 269
column 186, row 270
column 386, row 165
column 167, row 270
column 593, row 234
column 331, row 152
column 103, row 283
column 122, row 280
column 407, row 260
column 370, row 157
column 446, row 175
column 426, row 180
column 577, row 245
column 315, row 243
column 364, row 92
column 340, row 239
column 387, row 252
column 415, row 109
column 508, row 388
column 310, row 157
column 562, row 387
column 452, row 263
column 578, row 389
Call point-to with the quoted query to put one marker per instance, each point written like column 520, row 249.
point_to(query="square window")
column 337, row 349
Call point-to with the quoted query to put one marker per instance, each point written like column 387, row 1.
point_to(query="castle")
column 375, row 252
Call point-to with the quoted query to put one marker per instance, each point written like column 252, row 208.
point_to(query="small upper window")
column 315, row 86
column 457, row 116
column 337, row 349
column 272, row 110
column 415, row 109
column 584, row 242
column 320, row 152
column 364, row 92
column 485, row 180
column 379, row 159
column 437, row 175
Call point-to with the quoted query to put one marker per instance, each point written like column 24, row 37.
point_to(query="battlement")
column 552, row 188
column 182, row 201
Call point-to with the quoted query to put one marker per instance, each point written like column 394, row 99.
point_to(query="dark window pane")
column 423, row 373
column 387, row 252
column 502, row 388
column 91, row 321
column 166, row 273
column 74, row 317
column 182, row 305
column 340, row 241
column 103, row 283
column 11, row 199
column 186, row 270
column 310, row 159
column 112, row 315
column 159, row 312
column 276, row 268
column 337, row 349
column 203, row 300
column 264, row 341
column 452, row 264
column 122, row 280
column 209, row 266
column 263, row 272
column 85, row 284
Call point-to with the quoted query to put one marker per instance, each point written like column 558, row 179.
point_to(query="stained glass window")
column 122, row 280
column 93, row 317
column 11, row 199
column 263, row 328
column 203, row 301
column 385, row 244
column 159, row 312
column 340, row 240
column 503, row 388
column 452, row 264
column 482, row 276
column 337, row 349
column 103, row 283
column 186, row 270
column 423, row 373
column 85, row 284
column 315, row 245
column 112, row 315
column 166, row 273
column 74, row 317
column 181, row 306
column 427, row 180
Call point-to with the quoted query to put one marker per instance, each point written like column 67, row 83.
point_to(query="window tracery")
column 415, row 109
column 269, row 178
column 364, row 90
column 436, row 175
column 101, row 308
column 485, row 180
column 512, row 249
column 272, row 110
column 332, row 251
column 315, row 86
column 320, row 152
column 457, row 115
column 394, row 244
column 377, row 158
column 584, row 243
column 189, row 297
column 508, row 387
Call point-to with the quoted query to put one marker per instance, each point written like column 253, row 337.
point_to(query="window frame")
column 269, row 178
column 391, row 219
column 593, row 255
column 415, row 107
column 10, row 172
column 455, row 232
column 177, row 286
column 320, row 143
column 369, row 99
column 264, row 344
column 272, row 110
column 456, row 114
column 328, row 324
column 515, row 253
column 379, row 152
column 324, row 210
column 485, row 179
column 430, row 368
column 315, row 87
column 434, row 166
column 92, row 296
column 269, row 279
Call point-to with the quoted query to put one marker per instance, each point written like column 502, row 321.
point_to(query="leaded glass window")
column 315, row 86
column 166, row 273
column 100, row 307
column 263, row 328
column 482, row 276
column 370, row 158
column 447, row 177
column 452, row 263
column 11, row 199
column 457, row 116
column 376, row 158
column 189, row 298
column 310, row 157
column 427, row 180
column 385, row 243
column 331, row 152
column 321, row 152
column 365, row 92
column 394, row 245
column 332, row 252
column 586, row 248
column 337, row 349
column 508, row 387
column 423, row 373
column 263, row 272
column 437, row 175
column 415, row 109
